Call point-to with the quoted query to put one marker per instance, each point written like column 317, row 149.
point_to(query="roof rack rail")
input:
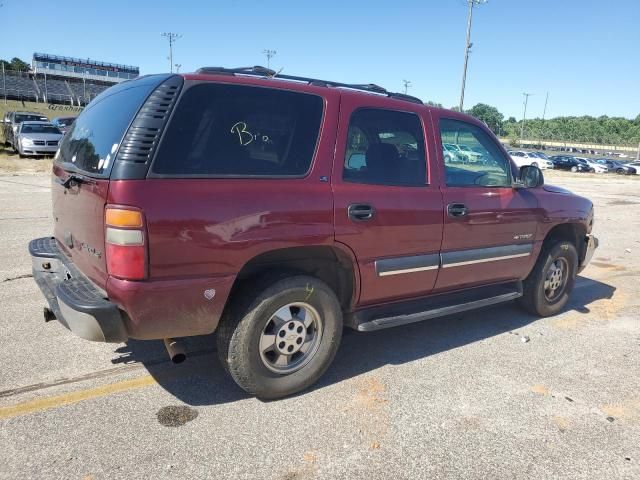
column 266, row 72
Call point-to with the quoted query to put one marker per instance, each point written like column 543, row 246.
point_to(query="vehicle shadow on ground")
column 201, row 380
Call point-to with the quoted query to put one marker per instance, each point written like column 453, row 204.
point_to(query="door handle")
column 457, row 210
column 360, row 212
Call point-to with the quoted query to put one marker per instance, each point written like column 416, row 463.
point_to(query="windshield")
column 40, row 129
column 20, row 117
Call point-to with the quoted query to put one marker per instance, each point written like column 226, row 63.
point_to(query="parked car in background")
column 568, row 162
column 450, row 154
column 277, row 211
column 63, row 123
column 545, row 160
column 463, row 152
column 37, row 138
column 11, row 122
column 617, row 166
column 522, row 158
column 594, row 167
column 635, row 165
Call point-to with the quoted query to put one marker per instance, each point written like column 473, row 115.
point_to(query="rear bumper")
column 76, row 302
column 592, row 244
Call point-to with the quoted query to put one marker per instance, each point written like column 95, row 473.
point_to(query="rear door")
column 489, row 226
column 388, row 209
column 88, row 152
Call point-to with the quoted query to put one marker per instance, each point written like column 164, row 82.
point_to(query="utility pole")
column 524, row 115
column 407, row 84
column 177, row 65
column 4, row 82
column 269, row 54
column 467, row 47
column 544, row 112
column 173, row 38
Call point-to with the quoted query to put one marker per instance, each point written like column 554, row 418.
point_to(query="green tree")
column 434, row 104
column 489, row 115
column 19, row 65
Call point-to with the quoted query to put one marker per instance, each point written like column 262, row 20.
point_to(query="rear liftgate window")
column 91, row 143
column 232, row 130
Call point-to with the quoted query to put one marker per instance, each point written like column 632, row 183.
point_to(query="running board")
column 386, row 316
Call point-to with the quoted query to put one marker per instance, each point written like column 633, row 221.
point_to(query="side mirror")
column 530, row 177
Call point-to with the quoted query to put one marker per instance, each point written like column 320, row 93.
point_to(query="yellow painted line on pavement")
column 42, row 404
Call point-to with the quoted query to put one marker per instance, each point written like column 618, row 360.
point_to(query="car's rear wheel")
column 574, row 169
column 281, row 339
column 592, row 170
column 546, row 290
column 620, row 171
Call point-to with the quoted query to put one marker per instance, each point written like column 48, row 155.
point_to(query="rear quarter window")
column 92, row 141
column 237, row 130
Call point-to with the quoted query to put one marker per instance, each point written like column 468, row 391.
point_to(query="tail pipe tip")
column 175, row 349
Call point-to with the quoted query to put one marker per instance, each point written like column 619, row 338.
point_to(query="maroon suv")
column 276, row 209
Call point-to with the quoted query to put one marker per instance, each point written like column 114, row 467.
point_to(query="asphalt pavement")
column 489, row 394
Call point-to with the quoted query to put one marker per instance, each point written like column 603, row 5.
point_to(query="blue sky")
column 586, row 53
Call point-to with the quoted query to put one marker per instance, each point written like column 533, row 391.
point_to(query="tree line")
column 602, row 130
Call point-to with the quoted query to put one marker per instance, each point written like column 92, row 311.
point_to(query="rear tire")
column 557, row 266
column 574, row 169
column 299, row 314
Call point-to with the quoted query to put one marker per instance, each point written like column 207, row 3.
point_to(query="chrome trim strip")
column 409, row 264
column 407, row 270
column 483, row 260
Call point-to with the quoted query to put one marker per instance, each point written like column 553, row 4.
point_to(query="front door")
column 489, row 226
column 386, row 210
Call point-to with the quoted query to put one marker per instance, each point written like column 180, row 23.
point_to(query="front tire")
column 547, row 288
column 281, row 336
column 574, row 169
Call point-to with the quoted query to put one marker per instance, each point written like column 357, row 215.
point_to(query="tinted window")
column 39, row 129
column 385, row 147
column 488, row 167
column 92, row 141
column 240, row 131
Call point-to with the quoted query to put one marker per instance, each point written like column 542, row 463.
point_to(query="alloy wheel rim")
column 291, row 337
column 556, row 279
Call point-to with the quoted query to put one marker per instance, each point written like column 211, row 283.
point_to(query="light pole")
column 269, row 54
column 172, row 37
column 4, row 84
column 407, row 84
column 524, row 115
column 467, row 47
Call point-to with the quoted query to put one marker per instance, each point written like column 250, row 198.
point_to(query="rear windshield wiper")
column 73, row 180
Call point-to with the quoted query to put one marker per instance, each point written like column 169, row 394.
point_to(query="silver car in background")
column 37, row 138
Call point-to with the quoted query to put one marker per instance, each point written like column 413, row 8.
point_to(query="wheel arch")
column 570, row 232
column 330, row 264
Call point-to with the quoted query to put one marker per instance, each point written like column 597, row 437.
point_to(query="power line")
column 467, row 47
column 524, row 115
column 172, row 37
column 407, row 84
column 269, row 54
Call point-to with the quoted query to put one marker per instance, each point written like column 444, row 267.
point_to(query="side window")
column 237, row 130
column 478, row 161
column 385, row 147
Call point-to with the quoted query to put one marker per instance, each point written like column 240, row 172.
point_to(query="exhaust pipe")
column 175, row 349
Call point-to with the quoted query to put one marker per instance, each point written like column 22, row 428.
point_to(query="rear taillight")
column 125, row 243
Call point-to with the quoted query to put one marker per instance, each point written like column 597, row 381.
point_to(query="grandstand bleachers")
column 38, row 88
